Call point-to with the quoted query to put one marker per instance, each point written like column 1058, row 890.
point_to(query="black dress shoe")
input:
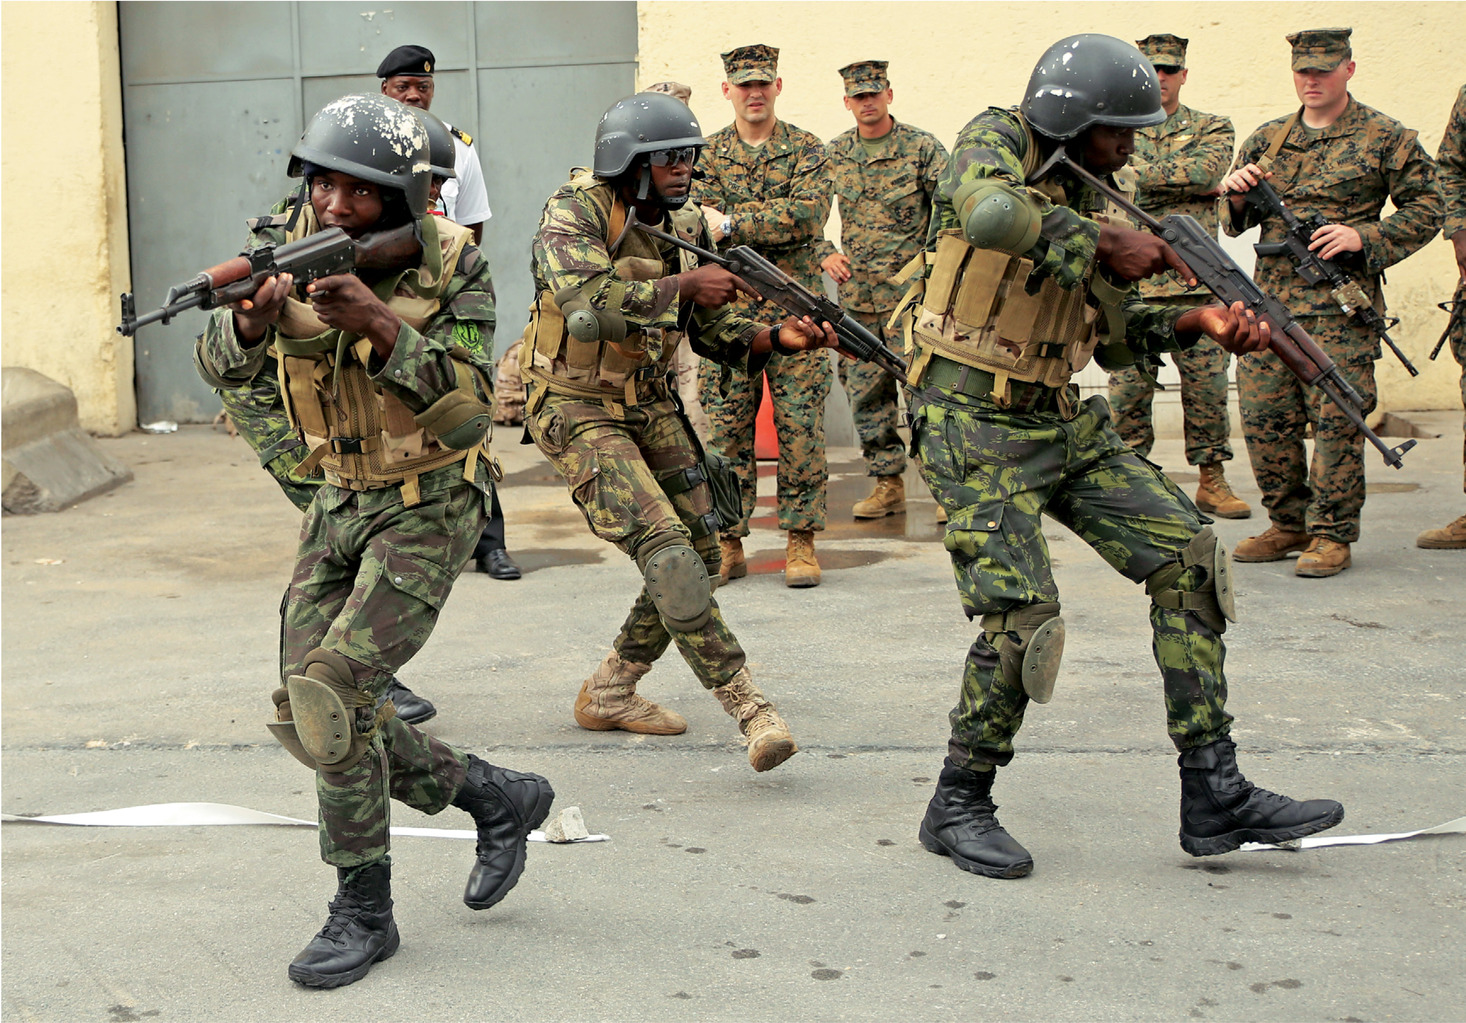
column 412, row 708
column 499, row 565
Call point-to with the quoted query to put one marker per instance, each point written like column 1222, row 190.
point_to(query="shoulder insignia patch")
column 465, row 136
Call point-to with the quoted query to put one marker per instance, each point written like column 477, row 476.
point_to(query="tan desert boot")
column 1323, row 558
column 1448, row 538
column 1214, row 494
column 800, row 567
column 1273, row 544
column 768, row 738
column 888, row 498
column 608, row 700
column 734, row 564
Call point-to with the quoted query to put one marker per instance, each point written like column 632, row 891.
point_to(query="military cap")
column 1164, row 49
column 674, row 89
column 865, row 76
column 407, row 60
column 756, row 63
column 1320, row 49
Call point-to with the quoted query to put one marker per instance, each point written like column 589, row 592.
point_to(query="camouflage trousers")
column 370, row 579
column 1458, row 351
column 872, row 392
column 1325, row 499
column 799, row 385
column 996, row 473
column 1204, row 422
column 615, row 468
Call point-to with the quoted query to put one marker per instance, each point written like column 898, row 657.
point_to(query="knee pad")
column 326, row 707
column 1034, row 659
column 283, row 729
column 677, row 581
column 1200, row 581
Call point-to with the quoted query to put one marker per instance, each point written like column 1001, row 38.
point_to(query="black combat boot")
column 960, row 823
column 1220, row 809
column 360, row 930
column 412, row 708
column 506, row 806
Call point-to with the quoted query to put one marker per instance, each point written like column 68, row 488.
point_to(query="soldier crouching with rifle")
column 383, row 374
column 614, row 303
column 1025, row 281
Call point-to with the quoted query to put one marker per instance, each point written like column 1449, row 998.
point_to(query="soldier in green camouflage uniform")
column 398, row 358
column 885, row 174
column 1451, row 173
column 766, row 185
column 1179, row 164
column 1019, row 277
column 1339, row 159
column 613, row 306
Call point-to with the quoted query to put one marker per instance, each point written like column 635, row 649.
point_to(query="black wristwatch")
column 775, row 344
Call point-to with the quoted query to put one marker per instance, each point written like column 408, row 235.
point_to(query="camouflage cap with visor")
column 756, row 63
column 865, row 76
column 1164, row 50
column 1320, row 49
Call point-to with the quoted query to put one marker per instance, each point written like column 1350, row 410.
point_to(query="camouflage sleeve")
column 992, row 145
column 420, row 370
column 223, row 353
column 1410, row 174
column 797, row 218
column 1151, row 329
column 1234, row 223
column 1196, row 169
column 933, row 165
column 1451, row 168
column 571, row 251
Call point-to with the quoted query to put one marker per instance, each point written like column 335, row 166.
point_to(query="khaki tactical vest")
column 979, row 308
column 363, row 437
column 632, row 371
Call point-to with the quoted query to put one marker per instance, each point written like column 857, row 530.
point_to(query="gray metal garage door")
column 215, row 95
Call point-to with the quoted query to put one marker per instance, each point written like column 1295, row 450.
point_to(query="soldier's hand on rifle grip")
column 257, row 314
column 1242, row 180
column 1333, row 240
column 1137, row 254
column 799, row 334
column 1458, row 242
column 711, row 286
column 343, row 301
column 1235, row 328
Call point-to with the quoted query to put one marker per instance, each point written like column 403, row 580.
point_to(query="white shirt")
column 463, row 198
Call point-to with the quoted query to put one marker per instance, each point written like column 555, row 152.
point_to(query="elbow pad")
column 997, row 216
column 586, row 323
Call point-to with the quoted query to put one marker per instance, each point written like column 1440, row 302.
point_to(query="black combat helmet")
column 1091, row 79
column 441, row 152
column 373, row 138
column 647, row 122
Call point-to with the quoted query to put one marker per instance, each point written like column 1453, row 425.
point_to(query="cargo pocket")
column 409, row 575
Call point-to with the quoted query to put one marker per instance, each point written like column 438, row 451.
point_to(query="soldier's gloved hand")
column 1235, row 328
column 711, row 286
column 1137, row 254
column 258, row 313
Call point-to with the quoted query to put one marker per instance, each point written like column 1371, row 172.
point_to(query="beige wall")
column 949, row 61
column 65, row 209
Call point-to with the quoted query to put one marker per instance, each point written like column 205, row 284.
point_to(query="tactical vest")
column 629, row 372
column 363, row 437
column 983, row 308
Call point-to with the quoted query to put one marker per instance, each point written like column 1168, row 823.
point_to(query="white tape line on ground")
column 189, row 815
column 1455, row 827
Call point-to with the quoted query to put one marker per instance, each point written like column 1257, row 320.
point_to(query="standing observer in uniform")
column 384, row 375
column 1339, row 159
column 1179, row 165
column 1021, row 279
column 1451, row 174
column 885, row 174
column 613, row 305
column 765, row 185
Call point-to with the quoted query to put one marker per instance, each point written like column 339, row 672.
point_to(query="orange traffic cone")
column 765, row 436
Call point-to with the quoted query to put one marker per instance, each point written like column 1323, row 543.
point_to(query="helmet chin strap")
column 644, row 190
column 297, row 203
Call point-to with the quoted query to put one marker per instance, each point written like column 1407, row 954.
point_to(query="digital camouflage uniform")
column 885, row 211
column 997, row 470
column 1344, row 173
column 372, row 573
column 1176, row 162
column 622, row 461
column 1451, row 171
column 777, row 195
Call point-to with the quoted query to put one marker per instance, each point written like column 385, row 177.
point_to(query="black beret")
column 407, row 60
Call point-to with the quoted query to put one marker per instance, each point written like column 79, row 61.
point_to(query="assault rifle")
column 1225, row 279
column 322, row 254
column 1457, row 308
column 778, row 287
column 1313, row 268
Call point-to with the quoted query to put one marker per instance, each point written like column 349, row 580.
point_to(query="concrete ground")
column 140, row 636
